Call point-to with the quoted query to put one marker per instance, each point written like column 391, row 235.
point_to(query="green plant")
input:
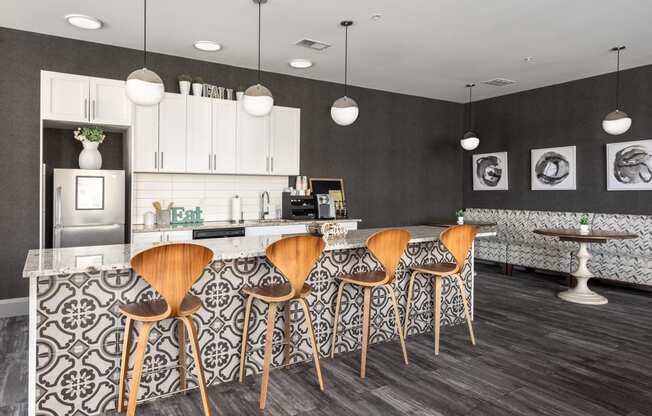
column 198, row 80
column 185, row 77
column 90, row 134
column 459, row 213
column 584, row 219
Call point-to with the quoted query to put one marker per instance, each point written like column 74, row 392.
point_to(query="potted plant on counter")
column 184, row 84
column 197, row 86
column 584, row 224
column 460, row 216
column 90, row 138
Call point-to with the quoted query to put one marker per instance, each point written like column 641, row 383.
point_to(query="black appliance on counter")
column 298, row 207
column 204, row 233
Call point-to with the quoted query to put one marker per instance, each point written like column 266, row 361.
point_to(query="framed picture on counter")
column 553, row 169
column 490, row 172
column 629, row 166
column 332, row 186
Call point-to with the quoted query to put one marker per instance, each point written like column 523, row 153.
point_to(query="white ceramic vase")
column 585, row 229
column 197, row 89
column 184, row 87
column 90, row 157
column 460, row 220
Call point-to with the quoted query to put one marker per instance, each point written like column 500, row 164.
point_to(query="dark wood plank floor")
column 536, row 355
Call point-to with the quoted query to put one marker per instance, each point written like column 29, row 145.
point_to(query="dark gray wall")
column 562, row 115
column 400, row 160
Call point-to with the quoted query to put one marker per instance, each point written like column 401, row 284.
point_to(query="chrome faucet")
column 264, row 205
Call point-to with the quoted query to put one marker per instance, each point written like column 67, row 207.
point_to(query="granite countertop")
column 51, row 262
column 140, row 228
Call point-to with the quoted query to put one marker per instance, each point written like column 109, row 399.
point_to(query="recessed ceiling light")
column 529, row 59
column 300, row 63
column 376, row 17
column 84, row 22
column 207, row 46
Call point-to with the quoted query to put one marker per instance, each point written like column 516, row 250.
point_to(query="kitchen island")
column 76, row 330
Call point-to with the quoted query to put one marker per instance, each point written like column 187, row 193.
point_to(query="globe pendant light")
column 258, row 100
column 344, row 110
column 470, row 140
column 145, row 87
column 617, row 122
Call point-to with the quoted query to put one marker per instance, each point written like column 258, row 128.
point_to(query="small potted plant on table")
column 460, row 216
column 584, row 224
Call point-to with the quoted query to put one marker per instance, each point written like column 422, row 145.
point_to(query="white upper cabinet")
column 199, row 136
column 172, row 133
column 253, row 143
column 145, row 138
column 109, row 103
column 79, row 99
column 64, row 97
column 224, row 136
column 285, row 141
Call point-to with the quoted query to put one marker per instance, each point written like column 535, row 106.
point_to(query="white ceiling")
column 428, row 48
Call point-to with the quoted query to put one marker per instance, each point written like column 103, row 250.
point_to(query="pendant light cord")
column 470, row 108
column 346, row 57
column 144, row 33
column 618, row 80
column 259, row 11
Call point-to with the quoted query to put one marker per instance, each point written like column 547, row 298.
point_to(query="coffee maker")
column 325, row 206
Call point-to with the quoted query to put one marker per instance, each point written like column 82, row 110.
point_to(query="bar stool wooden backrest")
column 172, row 270
column 388, row 247
column 458, row 240
column 295, row 257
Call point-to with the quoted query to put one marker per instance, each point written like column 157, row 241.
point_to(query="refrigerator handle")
column 57, row 206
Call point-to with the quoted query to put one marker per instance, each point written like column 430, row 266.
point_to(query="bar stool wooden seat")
column 387, row 247
column 171, row 270
column 294, row 257
column 457, row 240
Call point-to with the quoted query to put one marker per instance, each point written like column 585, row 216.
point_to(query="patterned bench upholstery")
column 516, row 244
column 487, row 248
column 624, row 260
column 543, row 252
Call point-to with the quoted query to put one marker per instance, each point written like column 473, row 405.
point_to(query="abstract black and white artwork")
column 629, row 166
column 490, row 172
column 553, row 169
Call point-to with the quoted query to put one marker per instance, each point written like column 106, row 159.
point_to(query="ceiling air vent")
column 312, row 44
column 499, row 82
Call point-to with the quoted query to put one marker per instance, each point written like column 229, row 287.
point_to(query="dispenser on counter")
column 298, row 207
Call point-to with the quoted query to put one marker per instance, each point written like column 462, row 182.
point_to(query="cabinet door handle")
column 209, row 161
column 266, row 163
column 155, row 160
column 93, row 110
column 85, row 109
column 167, row 237
column 271, row 169
column 214, row 161
column 160, row 238
column 162, row 165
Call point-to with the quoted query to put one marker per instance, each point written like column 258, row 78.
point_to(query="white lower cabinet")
column 155, row 237
column 276, row 230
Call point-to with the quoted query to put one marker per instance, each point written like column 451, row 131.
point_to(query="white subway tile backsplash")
column 212, row 193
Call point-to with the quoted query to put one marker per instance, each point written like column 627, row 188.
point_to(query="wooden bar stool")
column 387, row 247
column 457, row 240
column 294, row 257
column 171, row 270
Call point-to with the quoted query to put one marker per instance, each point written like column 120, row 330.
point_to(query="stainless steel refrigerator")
column 89, row 207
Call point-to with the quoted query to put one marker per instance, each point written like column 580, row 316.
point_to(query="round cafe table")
column 581, row 292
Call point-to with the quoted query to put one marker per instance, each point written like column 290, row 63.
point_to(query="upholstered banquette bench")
column 515, row 243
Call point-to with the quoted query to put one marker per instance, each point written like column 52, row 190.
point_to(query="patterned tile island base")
column 78, row 329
